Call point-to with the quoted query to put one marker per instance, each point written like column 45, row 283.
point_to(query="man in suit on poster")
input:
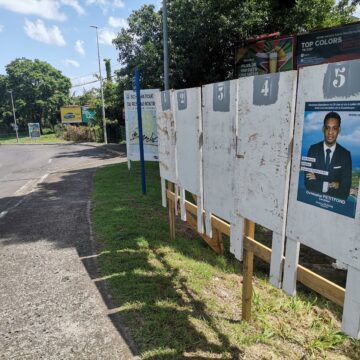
column 333, row 161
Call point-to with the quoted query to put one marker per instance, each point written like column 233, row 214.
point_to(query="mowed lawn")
column 25, row 139
column 180, row 300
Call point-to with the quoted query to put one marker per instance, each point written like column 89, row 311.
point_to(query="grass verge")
column 49, row 138
column 180, row 300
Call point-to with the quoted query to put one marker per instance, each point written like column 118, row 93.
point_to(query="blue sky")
column 59, row 32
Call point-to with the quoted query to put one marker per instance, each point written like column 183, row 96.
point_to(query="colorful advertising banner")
column 71, row 114
column 88, row 114
column 150, row 138
column 34, row 130
column 328, row 46
column 330, row 156
column 265, row 56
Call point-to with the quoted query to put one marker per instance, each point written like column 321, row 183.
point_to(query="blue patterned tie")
column 327, row 159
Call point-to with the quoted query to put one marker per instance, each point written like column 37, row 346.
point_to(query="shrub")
column 47, row 131
column 59, row 130
column 83, row 133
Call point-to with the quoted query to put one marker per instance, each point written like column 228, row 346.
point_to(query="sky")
column 59, row 32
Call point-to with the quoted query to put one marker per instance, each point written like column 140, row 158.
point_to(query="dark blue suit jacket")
column 340, row 170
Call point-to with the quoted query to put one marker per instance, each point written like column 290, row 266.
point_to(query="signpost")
column 141, row 144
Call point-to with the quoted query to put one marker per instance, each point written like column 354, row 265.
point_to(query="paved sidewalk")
column 51, row 303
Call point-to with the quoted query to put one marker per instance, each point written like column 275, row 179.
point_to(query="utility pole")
column 13, row 109
column 101, row 85
column 166, row 47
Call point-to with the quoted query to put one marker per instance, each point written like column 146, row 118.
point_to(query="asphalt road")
column 53, row 304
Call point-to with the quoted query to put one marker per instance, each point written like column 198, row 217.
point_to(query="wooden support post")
column 248, row 266
column 217, row 237
column 171, row 211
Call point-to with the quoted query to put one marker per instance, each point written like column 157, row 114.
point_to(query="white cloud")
column 38, row 31
column 75, row 5
column 106, row 36
column 117, row 22
column 1, row 28
column 69, row 62
column 106, row 5
column 79, row 47
column 118, row 4
column 47, row 9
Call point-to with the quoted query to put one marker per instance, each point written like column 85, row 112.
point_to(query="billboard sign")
column 71, row 114
column 265, row 56
column 150, row 138
column 328, row 46
column 88, row 114
column 34, row 130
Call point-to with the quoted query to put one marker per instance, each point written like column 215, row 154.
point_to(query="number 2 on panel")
column 339, row 77
column 265, row 89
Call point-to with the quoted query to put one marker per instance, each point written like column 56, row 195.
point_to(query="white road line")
column 2, row 214
column 43, row 178
column 50, row 161
column 19, row 191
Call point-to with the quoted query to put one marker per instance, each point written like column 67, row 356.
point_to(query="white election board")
column 187, row 113
column 326, row 217
column 166, row 133
column 150, row 138
column 266, row 105
column 219, row 112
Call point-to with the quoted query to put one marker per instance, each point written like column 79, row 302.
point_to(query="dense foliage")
column 38, row 90
column 203, row 34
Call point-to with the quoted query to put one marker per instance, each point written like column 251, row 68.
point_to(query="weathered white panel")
column 351, row 315
column 264, row 135
column 166, row 131
column 290, row 266
column 187, row 112
column 321, row 219
column 329, row 232
column 219, row 112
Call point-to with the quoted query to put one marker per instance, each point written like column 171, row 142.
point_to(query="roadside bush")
column 83, row 133
column 98, row 134
column 47, row 131
column 59, row 130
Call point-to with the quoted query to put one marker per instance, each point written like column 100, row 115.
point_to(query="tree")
column 203, row 34
column 39, row 90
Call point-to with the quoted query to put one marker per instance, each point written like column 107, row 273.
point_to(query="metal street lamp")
column 101, row 85
column 13, row 109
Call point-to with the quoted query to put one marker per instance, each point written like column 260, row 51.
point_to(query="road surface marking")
column 43, row 178
column 2, row 214
column 50, row 161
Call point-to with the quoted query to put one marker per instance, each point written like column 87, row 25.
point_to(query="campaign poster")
column 148, row 110
column 328, row 46
column 330, row 156
column 265, row 56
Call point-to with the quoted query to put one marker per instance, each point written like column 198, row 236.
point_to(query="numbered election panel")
column 187, row 112
column 266, row 105
column 166, row 131
column 323, row 206
column 323, row 212
column 219, row 113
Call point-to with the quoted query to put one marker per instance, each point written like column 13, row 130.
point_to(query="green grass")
column 180, row 300
column 24, row 139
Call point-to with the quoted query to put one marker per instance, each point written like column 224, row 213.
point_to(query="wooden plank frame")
column 252, row 248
